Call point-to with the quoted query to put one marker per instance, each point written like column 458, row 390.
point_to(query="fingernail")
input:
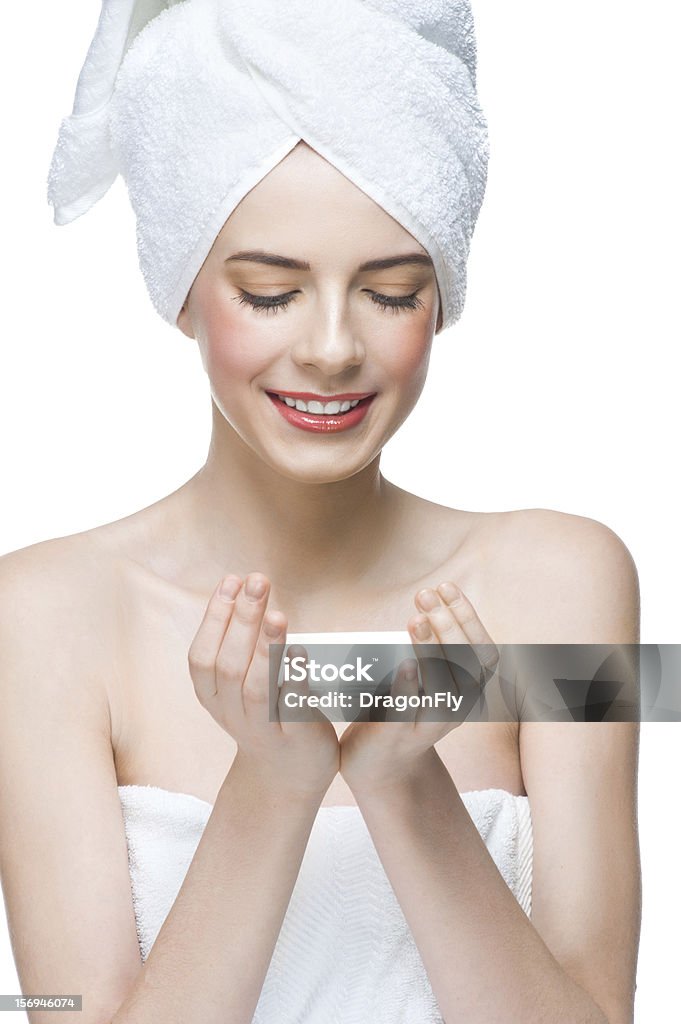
column 409, row 670
column 229, row 588
column 422, row 630
column 255, row 587
column 428, row 599
column 449, row 592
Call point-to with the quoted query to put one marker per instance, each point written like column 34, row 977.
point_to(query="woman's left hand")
column 376, row 753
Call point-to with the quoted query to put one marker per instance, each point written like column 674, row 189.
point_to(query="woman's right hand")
column 230, row 668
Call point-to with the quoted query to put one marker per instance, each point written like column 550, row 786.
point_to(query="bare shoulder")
column 59, row 574
column 60, row 602
column 562, row 578
column 84, row 570
column 545, row 535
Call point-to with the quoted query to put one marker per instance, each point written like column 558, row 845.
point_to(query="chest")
column 163, row 736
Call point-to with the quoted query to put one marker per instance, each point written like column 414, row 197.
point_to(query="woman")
column 172, row 659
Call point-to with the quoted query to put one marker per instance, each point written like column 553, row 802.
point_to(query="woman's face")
column 313, row 323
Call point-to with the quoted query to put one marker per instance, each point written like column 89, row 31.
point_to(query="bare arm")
column 211, row 955
column 63, row 854
column 575, row 962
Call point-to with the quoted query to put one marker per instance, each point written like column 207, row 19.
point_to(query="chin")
column 330, row 471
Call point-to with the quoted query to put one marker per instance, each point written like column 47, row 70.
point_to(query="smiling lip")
column 320, row 424
column 310, row 396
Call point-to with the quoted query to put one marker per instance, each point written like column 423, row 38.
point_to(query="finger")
column 438, row 677
column 441, row 618
column 476, row 635
column 206, row 643
column 453, row 666
column 260, row 684
column 405, row 684
column 434, row 664
column 241, row 636
column 294, row 690
column 474, row 645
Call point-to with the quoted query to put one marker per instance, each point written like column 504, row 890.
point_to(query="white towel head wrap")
column 194, row 101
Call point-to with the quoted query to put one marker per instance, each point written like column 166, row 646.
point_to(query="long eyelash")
column 265, row 303
column 396, row 303
column 273, row 303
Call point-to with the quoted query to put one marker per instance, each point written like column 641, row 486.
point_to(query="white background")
column 559, row 380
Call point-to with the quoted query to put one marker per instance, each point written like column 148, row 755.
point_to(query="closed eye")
column 397, row 302
column 267, row 303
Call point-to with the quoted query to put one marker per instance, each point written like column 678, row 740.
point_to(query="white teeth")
column 318, row 408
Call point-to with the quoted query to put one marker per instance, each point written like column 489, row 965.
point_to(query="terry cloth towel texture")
column 195, row 101
column 345, row 952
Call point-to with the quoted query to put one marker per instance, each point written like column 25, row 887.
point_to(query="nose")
column 328, row 342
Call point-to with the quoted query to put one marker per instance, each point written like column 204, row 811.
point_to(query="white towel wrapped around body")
column 345, row 952
column 194, row 101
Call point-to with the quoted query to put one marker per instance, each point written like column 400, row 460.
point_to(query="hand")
column 229, row 666
column 374, row 754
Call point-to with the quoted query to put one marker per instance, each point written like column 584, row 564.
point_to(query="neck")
column 301, row 535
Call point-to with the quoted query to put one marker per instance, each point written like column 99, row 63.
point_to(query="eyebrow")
column 273, row 260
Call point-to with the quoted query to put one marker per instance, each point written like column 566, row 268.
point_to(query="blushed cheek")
column 411, row 354
column 232, row 348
